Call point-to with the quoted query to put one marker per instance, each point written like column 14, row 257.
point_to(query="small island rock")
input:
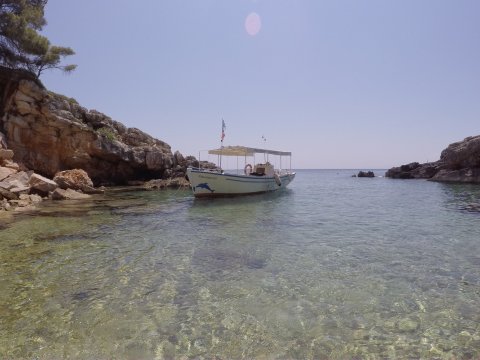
column 369, row 174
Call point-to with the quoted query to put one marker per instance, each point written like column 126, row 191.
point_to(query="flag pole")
column 221, row 140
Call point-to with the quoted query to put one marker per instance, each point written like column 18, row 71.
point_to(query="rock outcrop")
column 50, row 133
column 459, row 162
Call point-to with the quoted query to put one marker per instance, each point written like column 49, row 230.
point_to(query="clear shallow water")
column 334, row 267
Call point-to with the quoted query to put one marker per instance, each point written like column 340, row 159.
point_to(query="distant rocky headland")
column 44, row 133
column 459, row 162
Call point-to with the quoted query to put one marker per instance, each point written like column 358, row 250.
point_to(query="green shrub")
column 63, row 97
column 108, row 133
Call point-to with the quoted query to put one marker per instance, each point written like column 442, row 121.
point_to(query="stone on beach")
column 42, row 184
column 6, row 154
column 11, row 165
column 6, row 172
column 16, row 180
column 7, row 194
column 76, row 179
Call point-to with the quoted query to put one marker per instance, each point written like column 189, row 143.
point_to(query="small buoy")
column 277, row 180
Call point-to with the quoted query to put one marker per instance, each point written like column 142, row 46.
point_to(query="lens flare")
column 253, row 24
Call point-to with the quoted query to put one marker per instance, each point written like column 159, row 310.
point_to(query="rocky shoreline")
column 22, row 189
column 43, row 134
column 459, row 163
column 50, row 133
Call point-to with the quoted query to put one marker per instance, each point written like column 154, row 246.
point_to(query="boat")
column 261, row 177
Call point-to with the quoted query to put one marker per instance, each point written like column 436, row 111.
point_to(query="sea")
column 333, row 267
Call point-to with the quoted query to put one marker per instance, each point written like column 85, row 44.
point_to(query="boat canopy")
column 245, row 151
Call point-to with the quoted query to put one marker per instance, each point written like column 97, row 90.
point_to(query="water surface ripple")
column 334, row 267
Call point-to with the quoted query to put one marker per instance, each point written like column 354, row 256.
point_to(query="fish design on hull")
column 204, row 186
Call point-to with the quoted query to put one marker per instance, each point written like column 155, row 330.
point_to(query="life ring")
column 247, row 170
column 277, row 179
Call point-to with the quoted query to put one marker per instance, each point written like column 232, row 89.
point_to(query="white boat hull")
column 214, row 184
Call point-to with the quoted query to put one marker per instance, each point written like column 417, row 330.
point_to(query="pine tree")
column 21, row 45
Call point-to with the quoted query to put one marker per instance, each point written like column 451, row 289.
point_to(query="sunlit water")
column 333, row 267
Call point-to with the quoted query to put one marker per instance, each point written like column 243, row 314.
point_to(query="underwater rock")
column 407, row 325
column 68, row 194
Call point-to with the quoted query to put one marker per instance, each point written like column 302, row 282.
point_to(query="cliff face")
column 49, row 133
column 459, row 162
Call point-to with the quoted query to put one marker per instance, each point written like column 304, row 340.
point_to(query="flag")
column 223, row 130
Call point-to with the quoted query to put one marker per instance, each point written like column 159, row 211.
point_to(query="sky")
column 354, row 84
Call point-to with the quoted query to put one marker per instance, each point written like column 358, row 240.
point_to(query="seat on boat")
column 258, row 171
